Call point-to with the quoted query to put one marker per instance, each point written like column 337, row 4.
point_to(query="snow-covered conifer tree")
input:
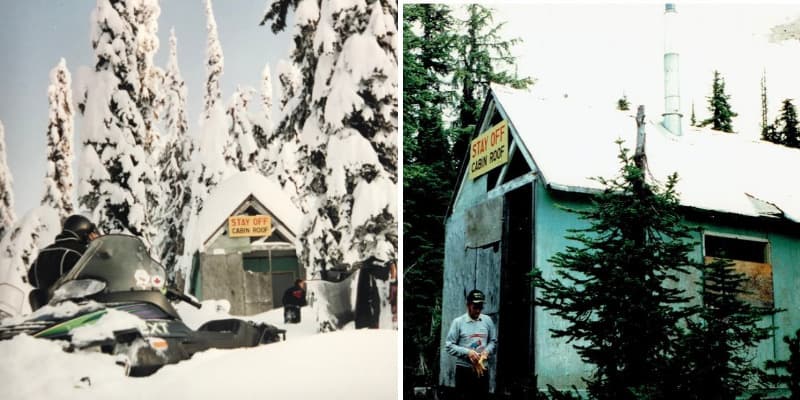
column 58, row 176
column 347, row 108
column 151, row 80
column 35, row 230
column 7, row 215
column 266, row 96
column 175, row 207
column 283, row 150
column 214, row 65
column 118, row 105
column 241, row 151
column 289, row 81
column 208, row 163
column 25, row 237
column 262, row 123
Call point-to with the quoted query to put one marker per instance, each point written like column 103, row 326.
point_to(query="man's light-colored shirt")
column 469, row 334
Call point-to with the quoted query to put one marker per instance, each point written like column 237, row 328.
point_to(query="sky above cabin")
column 598, row 52
column 36, row 34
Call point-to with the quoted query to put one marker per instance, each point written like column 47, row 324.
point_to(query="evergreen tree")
column 714, row 355
column 145, row 16
column 694, row 118
column 772, row 135
column 283, row 149
column 173, row 211
column 242, row 149
column 262, row 123
column 7, row 216
column 58, row 177
column 346, row 116
column 429, row 176
column 482, row 54
column 791, row 367
column 20, row 246
column 623, row 104
column 266, row 96
column 289, row 80
column 764, row 123
column 118, row 108
column 209, row 165
column 721, row 113
column 786, row 128
column 304, row 58
column 612, row 290
column 215, row 63
column 286, row 155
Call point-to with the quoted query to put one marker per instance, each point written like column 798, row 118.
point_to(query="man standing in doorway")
column 472, row 340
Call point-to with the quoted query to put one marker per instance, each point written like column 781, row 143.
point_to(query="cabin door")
column 515, row 358
column 472, row 261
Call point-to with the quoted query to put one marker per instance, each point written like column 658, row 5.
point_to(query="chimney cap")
column 669, row 7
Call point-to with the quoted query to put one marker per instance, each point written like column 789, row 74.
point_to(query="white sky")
column 597, row 52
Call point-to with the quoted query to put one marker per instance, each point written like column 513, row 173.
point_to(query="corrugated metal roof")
column 573, row 142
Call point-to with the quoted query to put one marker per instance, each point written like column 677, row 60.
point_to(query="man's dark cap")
column 476, row 297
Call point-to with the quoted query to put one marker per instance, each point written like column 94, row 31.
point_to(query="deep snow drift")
column 351, row 364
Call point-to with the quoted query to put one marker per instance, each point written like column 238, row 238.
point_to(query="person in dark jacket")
column 294, row 298
column 58, row 258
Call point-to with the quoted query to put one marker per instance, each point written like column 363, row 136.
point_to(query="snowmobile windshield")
column 122, row 262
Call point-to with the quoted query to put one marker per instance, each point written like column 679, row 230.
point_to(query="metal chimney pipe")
column 672, row 98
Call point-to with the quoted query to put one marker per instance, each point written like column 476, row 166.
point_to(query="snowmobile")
column 116, row 278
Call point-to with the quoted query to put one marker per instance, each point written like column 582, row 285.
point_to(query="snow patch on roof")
column 223, row 200
column 571, row 141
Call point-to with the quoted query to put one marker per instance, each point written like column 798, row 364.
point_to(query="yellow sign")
column 249, row 225
column 489, row 150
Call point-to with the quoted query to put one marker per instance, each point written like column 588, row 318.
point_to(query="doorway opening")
column 515, row 358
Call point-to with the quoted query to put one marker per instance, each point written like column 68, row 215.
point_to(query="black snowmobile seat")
column 245, row 333
column 222, row 325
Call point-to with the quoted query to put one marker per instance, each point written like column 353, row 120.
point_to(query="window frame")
column 765, row 241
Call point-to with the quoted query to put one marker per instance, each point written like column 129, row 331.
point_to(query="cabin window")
column 750, row 257
column 736, row 249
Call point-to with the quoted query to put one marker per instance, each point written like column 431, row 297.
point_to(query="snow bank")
column 341, row 365
column 354, row 364
column 39, row 369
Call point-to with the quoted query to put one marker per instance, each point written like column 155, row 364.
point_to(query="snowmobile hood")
column 122, row 262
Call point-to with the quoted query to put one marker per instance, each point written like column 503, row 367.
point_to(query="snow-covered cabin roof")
column 570, row 142
column 229, row 194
